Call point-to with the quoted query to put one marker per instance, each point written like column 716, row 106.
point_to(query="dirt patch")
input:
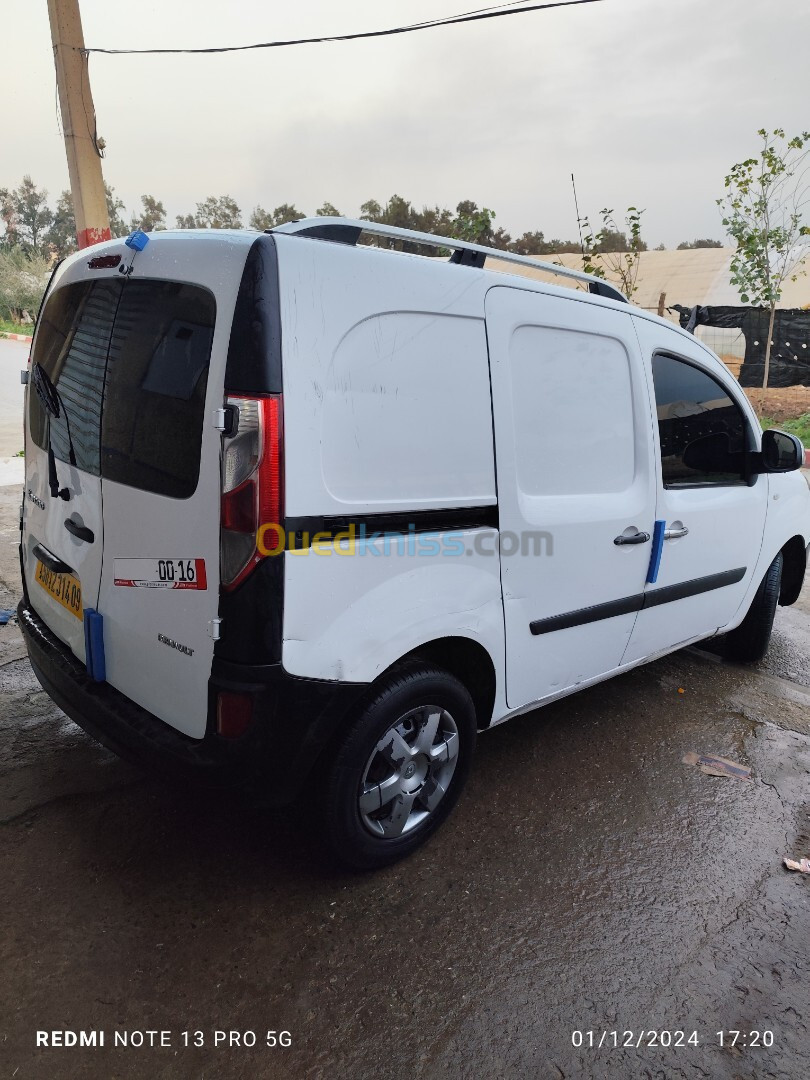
column 785, row 403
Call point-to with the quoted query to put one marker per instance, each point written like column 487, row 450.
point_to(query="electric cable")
column 497, row 11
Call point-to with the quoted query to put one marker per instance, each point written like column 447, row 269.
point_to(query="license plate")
column 64, row 588
column 160, row 573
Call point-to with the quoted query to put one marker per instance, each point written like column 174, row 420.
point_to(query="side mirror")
column 781, row 452
column 713, row 454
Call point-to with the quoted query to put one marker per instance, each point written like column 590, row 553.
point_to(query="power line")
column 496, row 12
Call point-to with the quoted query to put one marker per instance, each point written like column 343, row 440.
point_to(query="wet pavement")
column 13, row 359
column 589, row 885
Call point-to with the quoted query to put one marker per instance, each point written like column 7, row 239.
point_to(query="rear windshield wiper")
column 51, row 401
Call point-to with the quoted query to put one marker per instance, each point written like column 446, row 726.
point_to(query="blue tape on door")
column 655, row 554
column 94, row 645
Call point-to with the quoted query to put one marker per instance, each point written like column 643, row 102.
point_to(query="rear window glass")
column 130, row 363
column 73, row 337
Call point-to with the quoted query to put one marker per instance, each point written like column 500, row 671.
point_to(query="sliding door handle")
column 674, row 534
column 633, row 538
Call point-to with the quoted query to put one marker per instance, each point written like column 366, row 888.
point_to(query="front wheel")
column 749, row 641
column 400, row 768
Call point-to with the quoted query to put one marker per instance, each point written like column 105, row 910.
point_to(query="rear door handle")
column 673, row 534
column 51, row 561
column 81, row 531
column 633, row 538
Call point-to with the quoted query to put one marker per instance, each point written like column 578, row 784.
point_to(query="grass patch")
column 800, row 426
column 14, row 328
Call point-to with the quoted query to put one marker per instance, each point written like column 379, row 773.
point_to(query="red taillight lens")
column 239, row 508
column 270, row 489
column 251, row 486
column 234, row 714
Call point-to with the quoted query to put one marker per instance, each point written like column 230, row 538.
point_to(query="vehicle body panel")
column 574, row 452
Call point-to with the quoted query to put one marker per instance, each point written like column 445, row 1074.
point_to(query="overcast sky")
column 647, row 101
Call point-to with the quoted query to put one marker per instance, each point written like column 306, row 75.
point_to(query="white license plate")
column 160, row 573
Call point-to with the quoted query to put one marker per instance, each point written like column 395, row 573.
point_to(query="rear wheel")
column 400, row 768
column 749, row 641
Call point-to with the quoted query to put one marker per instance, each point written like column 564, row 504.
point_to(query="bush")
column 23, row 279
column 800, row 427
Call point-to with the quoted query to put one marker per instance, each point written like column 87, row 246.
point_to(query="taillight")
column 251, row 486
column 234, row 714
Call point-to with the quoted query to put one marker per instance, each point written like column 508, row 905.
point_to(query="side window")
column 702, row 430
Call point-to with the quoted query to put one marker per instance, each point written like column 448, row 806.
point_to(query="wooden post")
column 662, row 300
column 76, row 104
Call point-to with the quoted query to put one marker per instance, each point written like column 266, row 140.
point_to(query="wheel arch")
column 464, row 658
column 794, row 555
column 470, row 663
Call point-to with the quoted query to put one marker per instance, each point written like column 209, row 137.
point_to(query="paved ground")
column 13, row 358
column 588, row 882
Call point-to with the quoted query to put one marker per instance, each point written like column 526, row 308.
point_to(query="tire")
column 400, row 767
column 748, row 642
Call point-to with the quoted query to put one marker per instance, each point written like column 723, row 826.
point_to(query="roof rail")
column 347, row 231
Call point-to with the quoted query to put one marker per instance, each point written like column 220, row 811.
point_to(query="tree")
column 474, row 225
column 371, row 211
column 60, row 239
column 328, row 210
column 263, row 219
column 26, row 215
column 118, row 227
column 694, row 245
column 213, row 213
column 535, row 244
column 434, row 219
column 152, row 217
column 287, row 212
column 467, row 223
column 762, row 212
column 531, row 243
column 61, row 236
column 611, row 240
column 397, row 212
column 23, row 277
column 601, row 255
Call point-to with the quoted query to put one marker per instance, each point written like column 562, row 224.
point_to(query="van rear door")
column 62, row 521
column 160, row 458
column 138, row 360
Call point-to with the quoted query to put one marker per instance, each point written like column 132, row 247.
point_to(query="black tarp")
column 790, row 353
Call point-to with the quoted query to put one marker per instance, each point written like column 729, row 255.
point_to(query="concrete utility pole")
column 78, row 121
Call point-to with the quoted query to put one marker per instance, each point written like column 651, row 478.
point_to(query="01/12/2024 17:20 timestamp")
column 618, row 1039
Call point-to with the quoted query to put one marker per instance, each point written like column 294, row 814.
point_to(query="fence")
column 727, row 342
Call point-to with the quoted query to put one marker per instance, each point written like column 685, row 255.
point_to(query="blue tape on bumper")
column 94, row 645
column 657, row 550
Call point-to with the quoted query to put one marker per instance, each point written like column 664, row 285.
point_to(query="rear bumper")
column 295, row 719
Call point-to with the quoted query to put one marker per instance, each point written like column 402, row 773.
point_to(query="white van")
column 307, row 514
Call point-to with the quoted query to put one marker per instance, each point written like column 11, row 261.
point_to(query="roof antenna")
column 579, row 219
